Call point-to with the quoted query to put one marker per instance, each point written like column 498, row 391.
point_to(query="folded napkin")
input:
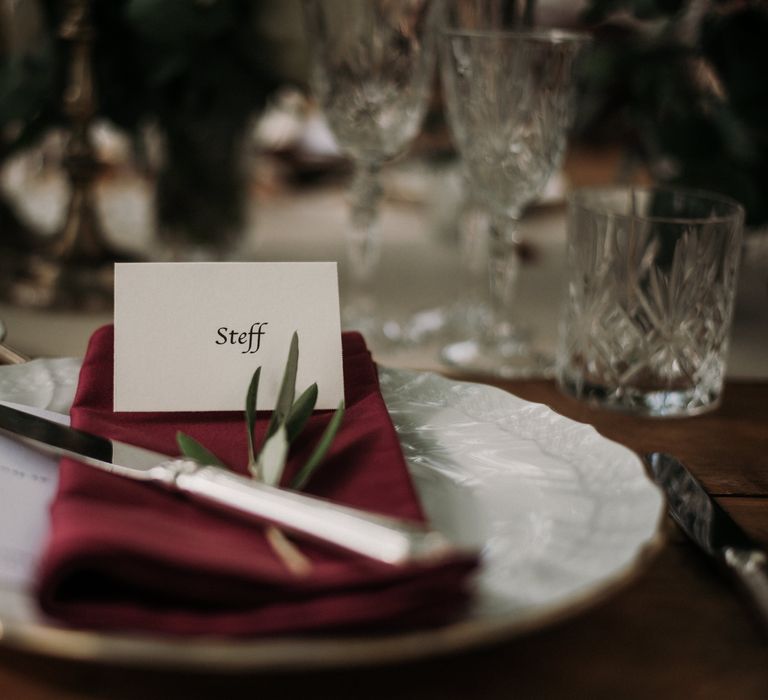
column 131, row 556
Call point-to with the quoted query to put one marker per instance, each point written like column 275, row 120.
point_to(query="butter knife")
column 712, row 529
column 378, row 537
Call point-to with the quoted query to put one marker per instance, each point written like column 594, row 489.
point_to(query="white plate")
column 562, row 516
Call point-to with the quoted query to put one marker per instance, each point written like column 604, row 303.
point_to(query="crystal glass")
column 649, row 298
column 510, row 100
column 372, row 64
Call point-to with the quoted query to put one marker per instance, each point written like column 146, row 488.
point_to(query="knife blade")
column 712, row 529
column 378, row 537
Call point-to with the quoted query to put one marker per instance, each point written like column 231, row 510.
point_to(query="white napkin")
column 28, row 478
column 27, row 486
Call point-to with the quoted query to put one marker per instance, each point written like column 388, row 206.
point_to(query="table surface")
column 679, row 629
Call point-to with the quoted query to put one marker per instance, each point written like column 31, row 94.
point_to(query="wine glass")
column 372, row 65
column 509, row 97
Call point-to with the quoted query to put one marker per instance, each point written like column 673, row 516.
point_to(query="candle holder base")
column 33, row 278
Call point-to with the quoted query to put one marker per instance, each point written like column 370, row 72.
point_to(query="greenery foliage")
column 285, row 426
column 685, row 81
column 196, row 69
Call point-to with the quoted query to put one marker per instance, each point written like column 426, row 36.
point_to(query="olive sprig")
column 285, row 427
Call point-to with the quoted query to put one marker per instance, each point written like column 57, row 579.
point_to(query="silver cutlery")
column 381, row 538
column 712, row 529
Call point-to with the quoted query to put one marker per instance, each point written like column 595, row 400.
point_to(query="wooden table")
column 679, row 630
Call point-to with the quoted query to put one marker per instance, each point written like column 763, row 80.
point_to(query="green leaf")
column 250, row 415
column 272, row 458
column 300, row 480
column 191, row 448
column 300, row 412
column 287, row 389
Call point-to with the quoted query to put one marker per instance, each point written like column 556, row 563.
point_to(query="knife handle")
column 377, row 537
column 751, row 568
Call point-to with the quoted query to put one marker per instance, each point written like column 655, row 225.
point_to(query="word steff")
column 232, row 337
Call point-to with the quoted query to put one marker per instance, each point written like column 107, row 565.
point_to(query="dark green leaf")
column 300, row 412
column 250, row 413
column 287, row 389
column 191, row 448
column 300, row 480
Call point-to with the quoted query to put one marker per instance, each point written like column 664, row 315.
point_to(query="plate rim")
column 313, row 652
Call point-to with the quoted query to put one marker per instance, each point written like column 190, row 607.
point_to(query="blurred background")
column 185, row 130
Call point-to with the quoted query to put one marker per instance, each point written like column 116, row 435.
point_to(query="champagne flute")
column 372, row 64
column 509, row 97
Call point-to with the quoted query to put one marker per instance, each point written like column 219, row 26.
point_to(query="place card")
column 188, row 336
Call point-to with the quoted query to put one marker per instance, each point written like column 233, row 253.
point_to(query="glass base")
column 425, row 326
column 380, row 333
column 441, row 324
column 421, row 328
column 653, row 403
column 510, row 359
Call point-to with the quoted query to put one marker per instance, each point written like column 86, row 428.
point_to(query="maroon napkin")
column 127, row 555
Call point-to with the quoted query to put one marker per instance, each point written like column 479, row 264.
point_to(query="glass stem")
column 364, row 240
column 474, row 250
column 503, row 268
